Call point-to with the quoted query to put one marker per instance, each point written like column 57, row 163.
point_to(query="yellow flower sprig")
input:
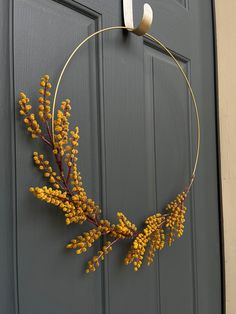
column 70, row 196
column 29, row 118
column 94, row 263
column 157, row 243
column 61, row 128
column 176, row 219
column 72, row 150
column 73, row 213
column 151, row 233
column 85, row 241
column 44, row 109
column 44, row 165
column 124, row 229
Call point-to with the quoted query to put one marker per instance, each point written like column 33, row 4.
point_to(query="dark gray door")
column 136, row 152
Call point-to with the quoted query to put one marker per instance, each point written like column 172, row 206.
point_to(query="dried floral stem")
column 58, row 160
column 71, row 197
column 108, row 247
column 46, row 141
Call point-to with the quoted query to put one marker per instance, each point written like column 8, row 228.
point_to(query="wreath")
column 66, row 191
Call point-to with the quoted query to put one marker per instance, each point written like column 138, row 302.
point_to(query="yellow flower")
column 58, row 198
column 124, row 229
column 29, row 118
column 61, row 127
column 44, row 108
column 176, row 218
column 94, row 263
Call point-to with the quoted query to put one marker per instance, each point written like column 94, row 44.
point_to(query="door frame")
column 225, row 65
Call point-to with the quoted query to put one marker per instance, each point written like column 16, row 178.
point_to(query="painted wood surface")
column 136, row 151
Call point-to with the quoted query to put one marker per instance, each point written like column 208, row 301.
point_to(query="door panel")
column 171, row 128
column 136, row 153
column 48, row 33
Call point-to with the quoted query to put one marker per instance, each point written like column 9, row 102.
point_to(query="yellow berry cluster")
column 87, row 205
column 72, row 150
column 44, row 109
column 61, row 128
column 44, row 166
column 55, row 197
column 58, row 198
column 76, row 180
column 124, row 229
column 153, row 233
column 80, row 196
column 29, row 118
column 157, row 239
column 176, row 218
column 157, row 243
column 94, row 263
column 137, row 251
column 85, row 241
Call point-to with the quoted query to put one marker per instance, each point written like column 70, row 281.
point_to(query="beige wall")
column 226, row 55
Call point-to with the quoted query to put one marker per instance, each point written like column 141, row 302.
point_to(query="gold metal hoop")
column 157, row 41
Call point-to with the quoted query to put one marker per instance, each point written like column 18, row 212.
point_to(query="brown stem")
column 59, row 162
column 58, row 159
column 57, row 181
column 60, row 166
column 190, row 184
column 48, row 131
column 92, row 221
column 112, row 243
column 46, row 141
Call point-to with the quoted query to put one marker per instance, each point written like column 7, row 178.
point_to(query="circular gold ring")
column 157, row 41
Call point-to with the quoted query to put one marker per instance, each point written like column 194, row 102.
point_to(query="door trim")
column 224, row 16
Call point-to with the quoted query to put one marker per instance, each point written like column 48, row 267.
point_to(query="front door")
column 136, row 151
